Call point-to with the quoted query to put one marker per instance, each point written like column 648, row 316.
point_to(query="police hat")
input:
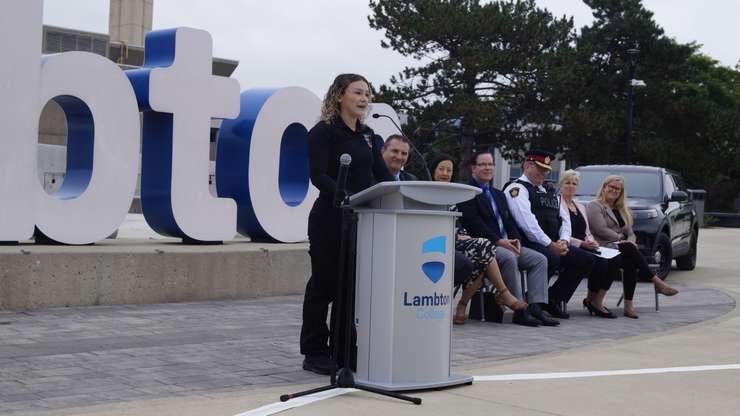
column 542, row 158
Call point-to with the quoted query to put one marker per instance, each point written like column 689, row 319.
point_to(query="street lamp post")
column 632, row 55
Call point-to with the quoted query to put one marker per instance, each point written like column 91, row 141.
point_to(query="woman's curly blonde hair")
column 330, row 107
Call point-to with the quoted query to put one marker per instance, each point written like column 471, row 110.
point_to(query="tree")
column 686, row 118
column 488, row 74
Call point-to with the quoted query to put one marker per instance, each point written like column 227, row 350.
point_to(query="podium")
column 403, row 296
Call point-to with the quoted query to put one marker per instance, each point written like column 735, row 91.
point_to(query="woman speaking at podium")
column 340, row 130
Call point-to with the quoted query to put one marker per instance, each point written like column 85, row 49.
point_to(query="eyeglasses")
column 485, row 165
column 614, row 188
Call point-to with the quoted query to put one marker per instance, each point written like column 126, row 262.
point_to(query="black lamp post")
column 632, row 55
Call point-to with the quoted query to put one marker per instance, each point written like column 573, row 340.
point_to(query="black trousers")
column 324, row 228
column 573, row 267
column 602, row 275
column 634, row 266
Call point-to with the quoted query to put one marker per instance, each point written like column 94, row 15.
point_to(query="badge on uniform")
column 368, row 140
column 514, row 192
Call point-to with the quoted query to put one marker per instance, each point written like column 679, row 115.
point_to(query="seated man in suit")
column 396, row 153
column 545, row 226
column 487, row 216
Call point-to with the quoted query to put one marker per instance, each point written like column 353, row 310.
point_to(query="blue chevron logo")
column 434, row 270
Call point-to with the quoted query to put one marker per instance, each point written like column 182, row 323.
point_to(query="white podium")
column 403, row 298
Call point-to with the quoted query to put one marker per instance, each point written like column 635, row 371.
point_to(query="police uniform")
column 542, row 220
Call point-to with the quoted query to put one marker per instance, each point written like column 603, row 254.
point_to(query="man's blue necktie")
column 487, row 192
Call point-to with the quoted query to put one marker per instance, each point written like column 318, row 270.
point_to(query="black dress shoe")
column 553, row 308
column 524, row 319
column 319, row 364
column 536, row 311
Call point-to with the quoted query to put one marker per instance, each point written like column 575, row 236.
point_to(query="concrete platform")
column 228, row 357
column 147, row 270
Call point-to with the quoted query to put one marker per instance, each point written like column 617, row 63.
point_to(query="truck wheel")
column 663, row 255
column 688, row 262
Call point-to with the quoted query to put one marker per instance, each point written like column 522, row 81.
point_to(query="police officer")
column 545, row 227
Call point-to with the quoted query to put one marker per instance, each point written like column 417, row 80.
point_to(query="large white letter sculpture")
column 20, row 72
column 179, row 95
column 102, row 148
column 262, row 162
column 102, row 136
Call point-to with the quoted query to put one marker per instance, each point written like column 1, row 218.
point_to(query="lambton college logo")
column 434, row 270
column 431, row 306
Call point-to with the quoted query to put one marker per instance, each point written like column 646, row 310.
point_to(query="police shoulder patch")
column 514, row 192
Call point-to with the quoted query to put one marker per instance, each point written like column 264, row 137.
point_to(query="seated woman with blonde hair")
column 600, row 279
column 611, row 225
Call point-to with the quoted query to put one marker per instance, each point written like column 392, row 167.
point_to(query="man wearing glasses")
column 545, row 227
column 488, row 216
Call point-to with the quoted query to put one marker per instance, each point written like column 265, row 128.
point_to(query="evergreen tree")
column 489, row 73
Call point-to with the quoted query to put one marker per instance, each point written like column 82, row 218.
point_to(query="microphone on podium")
column 421, row 157
column 340, row 195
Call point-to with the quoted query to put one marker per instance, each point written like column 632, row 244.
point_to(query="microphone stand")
column 421, row 157
column 344, row 305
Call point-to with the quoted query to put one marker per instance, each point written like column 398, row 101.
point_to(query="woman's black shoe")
column 598, row 312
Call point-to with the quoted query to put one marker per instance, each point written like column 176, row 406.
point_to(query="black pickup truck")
column 665, row 221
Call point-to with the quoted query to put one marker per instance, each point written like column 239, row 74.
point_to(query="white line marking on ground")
column 278, row 407
column 273, row 408
column 583, row 374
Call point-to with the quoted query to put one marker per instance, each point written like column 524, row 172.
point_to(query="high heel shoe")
column 460, row 317
column 516, row 305
column 592, row 310
column 630, row 314
column 462, row 304
column 664, row 289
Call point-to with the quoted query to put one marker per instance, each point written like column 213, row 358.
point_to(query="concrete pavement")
column 224, row 358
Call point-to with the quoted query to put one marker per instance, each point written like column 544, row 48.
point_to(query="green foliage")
column 486, row 70
column 509, row 74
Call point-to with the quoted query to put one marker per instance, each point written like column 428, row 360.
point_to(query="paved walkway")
column 62, row 359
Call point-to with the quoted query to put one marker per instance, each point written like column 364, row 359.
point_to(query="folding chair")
column 653, row 268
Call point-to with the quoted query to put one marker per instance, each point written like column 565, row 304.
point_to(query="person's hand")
column 590, row 244
column 517, row 245
column 508, row 245
column 558, row 248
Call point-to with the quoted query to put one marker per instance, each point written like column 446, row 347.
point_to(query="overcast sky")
column 306, row 43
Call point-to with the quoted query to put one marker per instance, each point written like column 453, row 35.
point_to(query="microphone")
column 340, row 195
column 421, row 157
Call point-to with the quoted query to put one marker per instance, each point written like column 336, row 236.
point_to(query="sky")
column 282, row 43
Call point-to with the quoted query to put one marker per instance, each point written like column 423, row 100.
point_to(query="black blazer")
column 479, row 220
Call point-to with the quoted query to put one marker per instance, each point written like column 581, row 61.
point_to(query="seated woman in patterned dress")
column 480, row 251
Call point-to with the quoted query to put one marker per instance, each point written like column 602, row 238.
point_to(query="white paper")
column 607, row 253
